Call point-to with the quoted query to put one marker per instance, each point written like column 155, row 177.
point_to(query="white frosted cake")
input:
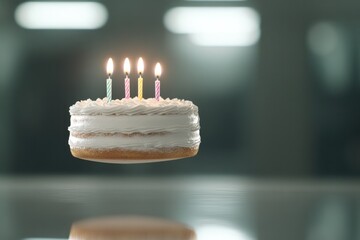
column 133, row 130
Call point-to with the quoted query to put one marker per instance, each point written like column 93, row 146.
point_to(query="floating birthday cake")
column 133, row 130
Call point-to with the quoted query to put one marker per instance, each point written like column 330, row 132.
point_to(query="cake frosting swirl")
column 133, row 106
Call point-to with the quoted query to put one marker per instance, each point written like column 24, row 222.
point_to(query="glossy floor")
column 216, row 207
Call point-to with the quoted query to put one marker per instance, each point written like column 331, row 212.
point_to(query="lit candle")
column 140, row 68
column 157, row 82
column 109, row 69
column 127, row 80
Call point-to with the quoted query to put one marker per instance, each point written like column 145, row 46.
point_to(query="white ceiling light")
column 61, row 15
column 215, row 232
column 215, row 26
column 227, row 39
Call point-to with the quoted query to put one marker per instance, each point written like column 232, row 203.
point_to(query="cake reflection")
column 130, row 227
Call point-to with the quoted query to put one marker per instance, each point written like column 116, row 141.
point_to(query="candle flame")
column 140, row 66
column 158, row 70
column 127, row 66
column 110, row 67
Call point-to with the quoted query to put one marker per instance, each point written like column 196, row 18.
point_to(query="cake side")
column 134, row 156
column 134, row 129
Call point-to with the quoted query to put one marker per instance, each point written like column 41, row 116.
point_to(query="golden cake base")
column 124, row 156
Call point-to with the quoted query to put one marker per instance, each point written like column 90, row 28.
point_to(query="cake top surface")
column 134, row 106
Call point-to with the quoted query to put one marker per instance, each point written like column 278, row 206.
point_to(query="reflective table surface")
column 228, row 208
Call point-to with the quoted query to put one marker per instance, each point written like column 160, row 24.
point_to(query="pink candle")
column 127, row 87
column 157, row 82
column 157, row 89
column 127, row 79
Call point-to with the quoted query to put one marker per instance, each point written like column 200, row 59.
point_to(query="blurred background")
column 277, row 82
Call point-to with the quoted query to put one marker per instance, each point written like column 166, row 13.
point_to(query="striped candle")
column 108, row 89
column 157, row 82
column 140, row 79
column 140, row 88
column 157, row 89
column 127, row 87
column 127, row 80
column 109, row 69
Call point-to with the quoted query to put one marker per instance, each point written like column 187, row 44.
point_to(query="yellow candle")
column 140, row 87
column 140, row 79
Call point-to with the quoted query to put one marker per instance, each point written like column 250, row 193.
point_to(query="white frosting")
column 134, row 124
column 133, row 106
column 178, row 139
column 154, row 124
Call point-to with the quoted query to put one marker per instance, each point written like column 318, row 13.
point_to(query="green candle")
column 110, row 69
